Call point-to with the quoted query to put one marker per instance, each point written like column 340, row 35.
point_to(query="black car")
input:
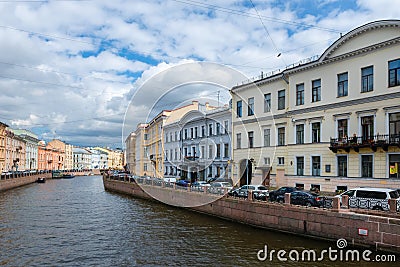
column 303, row 198
column 281, row 192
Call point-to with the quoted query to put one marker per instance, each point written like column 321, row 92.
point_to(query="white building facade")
column 197, row 147
column 332, row 123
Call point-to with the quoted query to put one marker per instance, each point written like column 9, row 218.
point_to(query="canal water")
column 75, row 222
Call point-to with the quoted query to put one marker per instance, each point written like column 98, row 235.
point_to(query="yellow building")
column 130, row 151
column 149, row 156
column 331, row 122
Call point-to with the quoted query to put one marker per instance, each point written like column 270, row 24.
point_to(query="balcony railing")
column 356, row 142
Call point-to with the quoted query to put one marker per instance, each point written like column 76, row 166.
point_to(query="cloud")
column 70, row 68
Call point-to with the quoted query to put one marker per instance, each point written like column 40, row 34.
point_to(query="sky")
column 78, row 70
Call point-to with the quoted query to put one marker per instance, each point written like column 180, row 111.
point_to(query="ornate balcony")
column 356, row 142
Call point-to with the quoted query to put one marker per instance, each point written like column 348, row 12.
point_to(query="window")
column 300, row 94
column 367, row 128
column 394, row 72
column 176, row 153
column 166, row 138
column 176, row 136
column 316, row 90
column 394, row 126
column 145, row 167
column 300, row 134
column 300, row 165
column 191, row 133
column 281, row 161
column 251, row 139
column 186, row 134
column 342, row 84
column 281, row 99
column 267, row 102
column 281, row 136
column 239, row 141
column 203, row 131
column 366, row 166
column 226, row 125
column 394, row 165
column 239, row 108
column 226, row 150
column 210, row 171
column 267, row 161
column 218, row 129
column 342, row 166
column 202, row 151
column 250, row 106
column 342, row 128
column 210, row 129
column 218, row 151
column 210, row 151
column 185, row 151
column 316, row 165
column 146, row 137
column 367, row 79
column 316, row 132
column 267, row 137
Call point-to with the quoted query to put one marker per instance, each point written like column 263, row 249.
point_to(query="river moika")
column 75, row 222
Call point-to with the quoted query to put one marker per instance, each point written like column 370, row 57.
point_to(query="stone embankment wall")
column 383, row 232
column 12, row 181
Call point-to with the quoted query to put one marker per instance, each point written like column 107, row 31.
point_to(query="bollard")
column 392, row 205
column 205, row 189
column 336, row 204
column 189, row 188
column 175, row 186
column 250, row 195
column 345, row 201
column 163, row 184
column 287, row 198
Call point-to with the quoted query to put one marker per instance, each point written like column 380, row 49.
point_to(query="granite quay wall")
column 13, row 180
column 380, row 232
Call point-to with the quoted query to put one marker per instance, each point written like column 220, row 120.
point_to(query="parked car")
column 370, row 198
column 199, row 185
column 302, row 198
column 183, row 183
column 281, row 192
column 219, row 187
column 260, row 192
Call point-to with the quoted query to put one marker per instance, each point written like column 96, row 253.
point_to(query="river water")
column 75, row 222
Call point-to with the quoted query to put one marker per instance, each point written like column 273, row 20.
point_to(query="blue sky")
column 68, row 69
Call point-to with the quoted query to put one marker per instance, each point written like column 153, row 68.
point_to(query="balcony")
column 356, row 142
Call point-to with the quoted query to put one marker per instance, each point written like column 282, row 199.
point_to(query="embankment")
column 382, row 233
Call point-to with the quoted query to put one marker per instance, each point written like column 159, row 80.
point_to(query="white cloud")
column 65, row 63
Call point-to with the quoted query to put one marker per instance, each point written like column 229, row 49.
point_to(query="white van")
column 370, row 198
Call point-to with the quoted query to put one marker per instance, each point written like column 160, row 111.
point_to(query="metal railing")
column 362, row 141
column 369, row 203
column 325, row 202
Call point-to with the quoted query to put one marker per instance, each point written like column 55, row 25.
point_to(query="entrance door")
column 246, row 172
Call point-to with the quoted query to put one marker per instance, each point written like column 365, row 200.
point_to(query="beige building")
column 150, row 141
column 15, row 148
column 142, row 161
column 332, row 122
column 69, row 157
column 130, row 151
